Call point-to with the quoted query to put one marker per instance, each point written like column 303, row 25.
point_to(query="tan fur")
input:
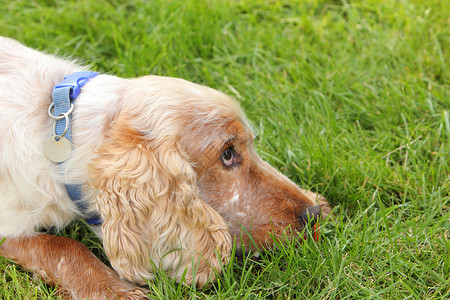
column 147, row 153
column 148, row 199
column 85, row 278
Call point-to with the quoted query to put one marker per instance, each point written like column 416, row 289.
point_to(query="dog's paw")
column 137, row 294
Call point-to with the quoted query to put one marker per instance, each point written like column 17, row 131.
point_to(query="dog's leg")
column 70, row 266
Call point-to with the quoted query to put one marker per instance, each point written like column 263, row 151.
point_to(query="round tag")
column 57, row 150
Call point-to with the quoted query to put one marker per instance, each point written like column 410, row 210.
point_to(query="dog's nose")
column 311, row 215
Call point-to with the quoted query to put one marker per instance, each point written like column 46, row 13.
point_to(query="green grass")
column 349, row 98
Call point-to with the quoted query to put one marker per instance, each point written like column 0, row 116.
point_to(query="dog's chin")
column 256, row 255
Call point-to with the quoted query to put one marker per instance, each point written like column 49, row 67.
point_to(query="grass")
column 349, row 98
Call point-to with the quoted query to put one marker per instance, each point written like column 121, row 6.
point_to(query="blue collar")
column 64, row 93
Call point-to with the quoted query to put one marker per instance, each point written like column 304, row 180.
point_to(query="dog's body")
column 169, row 166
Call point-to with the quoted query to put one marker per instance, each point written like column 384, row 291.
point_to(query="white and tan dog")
column 169, row 166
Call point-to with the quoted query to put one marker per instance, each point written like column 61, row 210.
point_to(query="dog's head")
column 178, row 177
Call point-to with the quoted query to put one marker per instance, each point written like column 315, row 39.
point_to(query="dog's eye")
column 228, row 156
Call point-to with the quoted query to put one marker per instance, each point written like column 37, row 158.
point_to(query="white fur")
column 32, row 193
column 30, row 196
column 133, row 144
column 235, row 198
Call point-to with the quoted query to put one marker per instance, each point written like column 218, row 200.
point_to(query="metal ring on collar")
column 60, row 116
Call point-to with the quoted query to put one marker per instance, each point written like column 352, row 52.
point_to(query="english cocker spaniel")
column 165, row 169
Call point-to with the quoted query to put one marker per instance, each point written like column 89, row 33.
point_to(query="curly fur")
column 147, row 152
column 148, row 199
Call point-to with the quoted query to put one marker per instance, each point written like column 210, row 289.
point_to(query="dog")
column 168, row 166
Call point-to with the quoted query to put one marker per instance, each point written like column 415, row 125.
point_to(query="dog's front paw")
column 137, row 294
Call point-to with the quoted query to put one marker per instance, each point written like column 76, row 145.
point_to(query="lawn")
column 348, row 98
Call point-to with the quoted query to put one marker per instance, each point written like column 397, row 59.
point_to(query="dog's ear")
column 152, row 214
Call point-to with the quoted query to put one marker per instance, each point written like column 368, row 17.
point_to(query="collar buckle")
column 75, row 81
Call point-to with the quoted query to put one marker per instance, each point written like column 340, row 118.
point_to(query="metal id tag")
column 57, row 150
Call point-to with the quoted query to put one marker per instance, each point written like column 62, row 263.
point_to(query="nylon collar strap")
column 64, row 93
